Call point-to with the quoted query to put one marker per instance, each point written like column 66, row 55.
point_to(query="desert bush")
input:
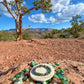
column 4, row 36
column 26, row 36
column 49, row 35
column 76, row 35
column 63, row 35
column 55, row 31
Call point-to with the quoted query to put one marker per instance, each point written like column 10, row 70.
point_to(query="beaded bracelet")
column 41, row 74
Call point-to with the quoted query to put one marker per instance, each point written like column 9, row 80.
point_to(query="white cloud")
column 61, row 8
column 57, row 8
column 70, row 11
column 8, row 14
column 38, row 18
column 67, row 13
column 59, row 5
column 24, row 3
column 64, row 2
column 4, row 11
column 2, row 8
column 62, row 16
column 52, row 20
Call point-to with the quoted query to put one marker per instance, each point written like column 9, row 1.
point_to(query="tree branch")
column 29, row 10
column 5, row 4
column 14, row 11
column 25, row 28
column 16, row 1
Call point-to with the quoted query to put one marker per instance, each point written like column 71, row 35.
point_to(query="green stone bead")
column 67, row 79
column 61, row 71
column 38, row 83
column 18, row 76
column 36, row 63
column 59, row 67
column 58, row 70
column 22, row 77
column 59, row 75
column 27, row 80
column 14, row 79
column 64, row 78
column 57, row 64
column 32, row 63
column 21, row 73
column 54, row 83
column 54, row 65
column 11, row 79
column 55, row 76
column 26, row 70
column 31, row 82
column 48, row 81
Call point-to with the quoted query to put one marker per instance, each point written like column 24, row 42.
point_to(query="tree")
column 20, row 10
column 75, row 22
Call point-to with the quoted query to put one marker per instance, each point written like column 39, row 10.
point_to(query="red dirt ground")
column 16, row 56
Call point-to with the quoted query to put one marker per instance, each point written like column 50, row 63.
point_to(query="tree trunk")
column 19, row 28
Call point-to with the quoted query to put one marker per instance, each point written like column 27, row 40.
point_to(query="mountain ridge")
column 35, row 29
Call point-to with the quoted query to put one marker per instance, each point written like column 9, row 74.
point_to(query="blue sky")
column 62, row 12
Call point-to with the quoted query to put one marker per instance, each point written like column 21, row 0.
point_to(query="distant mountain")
column 37, row 29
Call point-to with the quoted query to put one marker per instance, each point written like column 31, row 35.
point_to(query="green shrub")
column 76, row 35
column 4, row 36
column 55, row 31
column 64, row 35
column 49, row 35
column 26, row 36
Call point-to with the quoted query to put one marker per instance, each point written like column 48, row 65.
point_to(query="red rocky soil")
column 16, row 56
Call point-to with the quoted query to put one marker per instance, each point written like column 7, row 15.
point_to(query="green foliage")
column 75, row 20
column 11, row 36
column 49, row 35
column 4, row 36
column 76, row 35
column 26, row 36
column 76, row 26
column 45, row 5
column 17, row 10
column 25, row 9
column 63, row 35
column 55, row 31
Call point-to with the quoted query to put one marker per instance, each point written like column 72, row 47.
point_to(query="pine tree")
column 20, row 10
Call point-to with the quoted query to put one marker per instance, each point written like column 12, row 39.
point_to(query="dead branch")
column 25, row 28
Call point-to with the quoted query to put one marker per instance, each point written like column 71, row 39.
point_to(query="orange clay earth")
column 16, row 56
